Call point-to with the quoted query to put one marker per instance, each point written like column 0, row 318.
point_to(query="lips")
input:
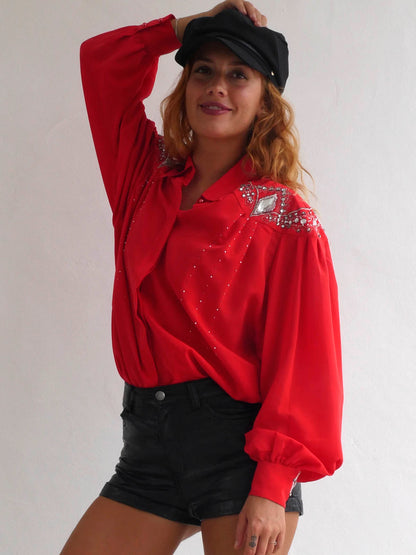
column 214, row 108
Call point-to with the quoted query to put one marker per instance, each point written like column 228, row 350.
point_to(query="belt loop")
column 127, row 396
column 193, row 394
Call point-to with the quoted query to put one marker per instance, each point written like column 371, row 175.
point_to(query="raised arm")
column 118, row 70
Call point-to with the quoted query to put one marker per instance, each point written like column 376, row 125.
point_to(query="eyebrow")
column 236, row 63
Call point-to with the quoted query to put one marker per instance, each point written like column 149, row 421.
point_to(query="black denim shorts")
column 183, row 456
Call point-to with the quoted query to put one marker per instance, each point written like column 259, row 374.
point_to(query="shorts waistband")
column 194, row 390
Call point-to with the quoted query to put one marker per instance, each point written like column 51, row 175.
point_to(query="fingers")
column 251, row 543
column 255, row 15
column 262, row 544
column 275, row 544
column 245, row 8
column 240, row 531
column 237, row 4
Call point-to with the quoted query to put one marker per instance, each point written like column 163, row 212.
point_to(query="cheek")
column 252, row 109
column 252, row 99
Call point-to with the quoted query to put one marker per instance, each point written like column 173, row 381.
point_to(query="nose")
column 217, row 86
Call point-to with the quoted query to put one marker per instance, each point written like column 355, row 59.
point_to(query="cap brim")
column 241, row 49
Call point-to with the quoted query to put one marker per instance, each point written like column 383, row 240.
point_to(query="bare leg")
column 111, row 528
column 218, row 534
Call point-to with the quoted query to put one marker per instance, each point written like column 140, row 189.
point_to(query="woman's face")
column 223, row 95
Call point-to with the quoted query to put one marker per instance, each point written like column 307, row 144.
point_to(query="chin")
column 221, row 135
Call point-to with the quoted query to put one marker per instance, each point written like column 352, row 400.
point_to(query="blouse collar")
column 237, row 175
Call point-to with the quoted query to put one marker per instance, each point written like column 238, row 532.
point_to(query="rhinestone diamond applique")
column 264, row 205
column 273, row 208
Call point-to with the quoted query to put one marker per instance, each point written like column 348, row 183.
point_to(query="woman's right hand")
column 242, row 6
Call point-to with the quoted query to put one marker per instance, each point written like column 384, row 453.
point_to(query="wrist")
column 179, row 24
column 175, row 26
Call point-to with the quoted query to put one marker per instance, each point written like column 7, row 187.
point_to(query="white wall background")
column 353, row 82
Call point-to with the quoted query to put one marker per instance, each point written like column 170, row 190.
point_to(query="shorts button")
column 160, row 395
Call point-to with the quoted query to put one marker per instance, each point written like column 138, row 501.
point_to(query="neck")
column 212, row 159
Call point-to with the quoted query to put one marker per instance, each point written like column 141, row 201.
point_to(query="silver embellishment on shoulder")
column 272, row 208
column 303, row 219
column 264, row 205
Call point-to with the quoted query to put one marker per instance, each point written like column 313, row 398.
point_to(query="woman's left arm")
column 296, row 434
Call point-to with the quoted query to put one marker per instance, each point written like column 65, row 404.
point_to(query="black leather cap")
column 259, row 47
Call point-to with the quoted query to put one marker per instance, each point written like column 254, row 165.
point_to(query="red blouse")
column 239, row 288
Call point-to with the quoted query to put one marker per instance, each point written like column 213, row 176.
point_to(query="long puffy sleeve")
column 297, row 432
column 118, row 69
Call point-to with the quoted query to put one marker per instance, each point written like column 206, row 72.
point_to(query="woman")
column 225, row 316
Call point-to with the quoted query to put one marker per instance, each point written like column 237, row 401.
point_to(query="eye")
column 202, row 69
column 238, row 74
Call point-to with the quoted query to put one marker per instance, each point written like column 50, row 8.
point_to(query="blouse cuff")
column 166, row 41
column 273, row 481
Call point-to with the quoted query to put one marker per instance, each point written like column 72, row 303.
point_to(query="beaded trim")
column 163, row 156
column 270, row 204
